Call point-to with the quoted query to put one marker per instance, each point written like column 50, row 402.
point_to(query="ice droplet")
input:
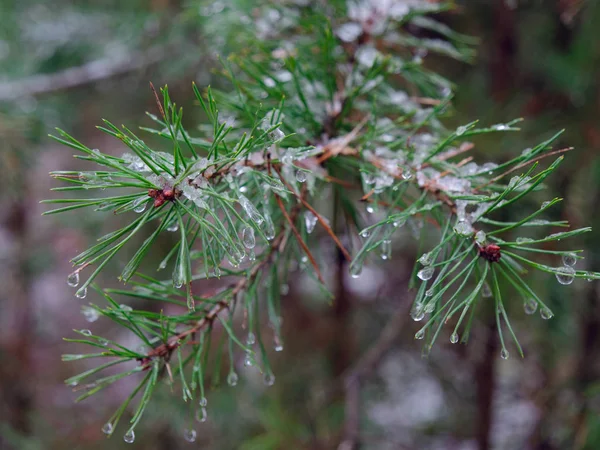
column 460, row 130
column 81, row 293
column 139, row 206
column 86, row 332
column 565, row 275
column 278, row 345
column 90, row 314
column 523, row 240
column 399, row 222
column 570, row 259
column 107, row 428
column 406, row 174
column 420, row 334
column 370, row 209
column 418, row 314
column 504, row 354
column 232, row 379
column 248, row 237
column 365, row 233
column 203, row 402
column 310, row 220
column 248, row 360
column 201, row 414
column 189, row 435
column 173, row 226
column 463, row 228
column 125, row 307
column 268, row 228
column 349, row 32
column 386, row 249
column 355, row 270
column 73, row 279
column 251, row 339
column 545, row 204
column 530, row 306
column 250, row 209
column 129, row 437
column 500, row 127
column 546, row 314
column 426, row 273
column 480, row 237
column 426, row 258
column 454, row 338
column 269, row 379
column 300, row 176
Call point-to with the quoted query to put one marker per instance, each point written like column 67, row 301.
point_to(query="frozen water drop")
column 570, row 259
column 269, row 379
column 173, row 226
column 504, row 354
column 278, row 345
column 545, row 204
column 480, row 237
column 420, row 334
column 386, row 249
column 500, row 127
column 463, row 228
column 248, row 361
column 250, row 209
column 129, row 437
column 460, row 130
column 530, row 306
column 90, row 314
column 407, row 174
column 107, row 428
column 486, row 291
column 310, row 220
column 370, row 209
column 546, row 314
column 125, row 307
column 201, row 414
column 426, row 273
column 300, row 176
column 86, row 332
column 426, row 258
column 203, row 402
column 355, row 270
column 565, row 275
column 365, row 233
column 248, row 237
column 454, row 338
column 81, row 293
column 268, row 228
column 399, row 222
column 190, row 435
column 251, row 339
column 429, row 292
column 103, row 342
column 139, row 204
column 73, row 279
column 232, row 379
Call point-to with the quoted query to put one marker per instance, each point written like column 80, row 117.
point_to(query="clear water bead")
column 355, row 270
column 139, row 204
column 426, row 273
column 486, row 291
column 251, row 339
column 504, row 354
column 201, row 414
column 81, row 293
column 480, row 237
column 278, row 345
column 420, row 334
column 190, row 435
column 284, row 289
column 73, row 279
column 173, row 226
column 454, row 338
column 90, row 314
column 248, row 237
column 250, row 209
column 523, row 240
column 310, row 220
column 463, row 228
column 365, row 233
column 269, row 379
column 565, row 275
column 129, row 437
column 300, row 176
column 406, row 174
column 426, row 259
column 546, row 314
column 232, row 379
column 530, row 306
column 86, row 332
column 203, row 402
column 107, row 428
column 248, row 361
column 386, row 249
column 268, row 227
column 417, row 313
column 545, row 204
column 570, row 259
column 399, row 222
column 460, row 130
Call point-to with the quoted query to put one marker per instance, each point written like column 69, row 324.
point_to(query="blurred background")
column 69, row 64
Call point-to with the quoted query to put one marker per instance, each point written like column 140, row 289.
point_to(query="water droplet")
column 500, row 127
column 565, row 275
column 201, row 414
column 417, row 313
column 386, row 249
column 460, row 130
column 365, row 233
column 248, row 360
column 269, row 379
column 73, row 279
column 86, row 332
column 523, row 240
column 129, row 437
column 570, row 259
column 139, row 206
column 370, row 209
column 454, row 338
column 232, row 379
column 103, row 342
column 90, row 314
column 399, row 222
column 278, row 345
column 248, row 237
column 426, row 259
column 429, row 292
column 544, row 205
column 203, row 402
column 407, row 174
column 504, row 354
column 426, row 273
column 81, row 293
column 420, row 334
column 251, row 339
column 480, row 237
column 355, row 270
column 486, row 291
column 173, row 226
column 250, row 209
column 530, row 306
column 269, row 228
column 310, row 220
column 190, row 435
column 251, row 255
column 284, row 289
column 107, row 428
column 125, row 307
column 300, row 176
column 546, row 314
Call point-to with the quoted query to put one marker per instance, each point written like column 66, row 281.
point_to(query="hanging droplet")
column 355, row 270
column 269, row 379
column 523, row 240
column 232, row 379
column 201, row 414
column 399, row 222
column 129, row 437
column 565, row 275
column 530, row 306
column 418, row 313
column 365, row 233
column 429, row 307
column 406, row 174
column 480, row 237
column 248, row 237
column 251, row 255
column 460, row 130
column 90, row 314
column 463, row 228
column 546, row 314
column 103, row 342
column 420, row 334
column 570, row 259
column 250, row 209
column 310, row 220
column 486, row 291
column 386, row 249
column 81, row 293
column 139, row 204
column 370, row 209
column 73, row 279
column 86, row 332
column 203, row 402
column 426, row 259
column 278, row 345
column 189, row 435
column 504, row 354
column 251, row 339
column 248, row 360
column 426, row 273
column 454, row 338
column 429, row 292
column 107, row 428
column 173, row 226
column 300, row 176
column 269, row 228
